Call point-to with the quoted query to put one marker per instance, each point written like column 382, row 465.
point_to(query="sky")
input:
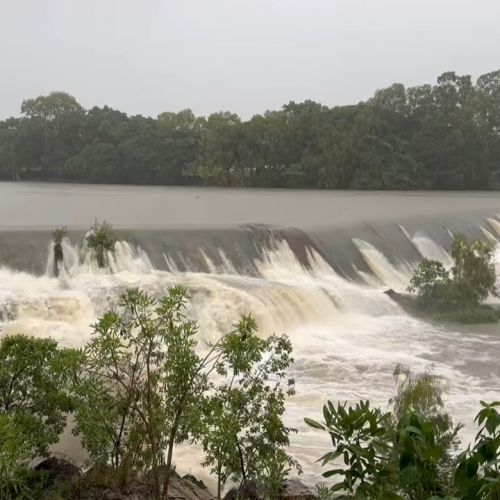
column 246, row 56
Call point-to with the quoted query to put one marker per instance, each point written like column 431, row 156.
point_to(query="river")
column 313, row 264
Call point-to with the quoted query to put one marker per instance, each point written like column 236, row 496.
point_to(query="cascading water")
column 347, row 334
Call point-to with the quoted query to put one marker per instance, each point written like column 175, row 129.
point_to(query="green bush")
column 34, row 400
column 144, row 388
column 57, row 238
column 406, row 453
column 457, row 294
column 101, row 240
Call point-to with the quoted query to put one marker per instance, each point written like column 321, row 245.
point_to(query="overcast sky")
column 149, row 56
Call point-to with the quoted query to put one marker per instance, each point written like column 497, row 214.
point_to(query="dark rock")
column 131, row 492
column 59, row 469
column 247, row 491
column 296, row 490
column 198, row 482
column 405, row 300
column 293, row 490
column 185, row 489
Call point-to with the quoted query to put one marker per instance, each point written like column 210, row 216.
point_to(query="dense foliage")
column 35, row 397
column 458, row 293
column 139, row 387
column 406, row 453
column 442, row 136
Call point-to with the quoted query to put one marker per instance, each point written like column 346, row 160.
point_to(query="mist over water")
column 323, row 286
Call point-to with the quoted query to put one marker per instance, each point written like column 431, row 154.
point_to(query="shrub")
column 458, row 294
column 360, row 436
column 57, row 238
column 143, row 389
column 406, row 453
column 101, row 240
column 478, row 472
column 244, row 437
column 34, row 401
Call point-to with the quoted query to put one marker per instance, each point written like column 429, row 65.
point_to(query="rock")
column 198, row 482
column 186, row 489
column 59, row 469
column 293, row 490
column 405, row 300
column 247, row 491
column 296, row 490
column 131, row 492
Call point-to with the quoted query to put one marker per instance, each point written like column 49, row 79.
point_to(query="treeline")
column 442, row 136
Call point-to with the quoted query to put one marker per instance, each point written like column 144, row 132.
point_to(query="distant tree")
column 440, row 136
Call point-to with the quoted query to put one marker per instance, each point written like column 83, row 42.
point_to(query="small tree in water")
column 101, row 240
column 459, row 293
column 57, row 238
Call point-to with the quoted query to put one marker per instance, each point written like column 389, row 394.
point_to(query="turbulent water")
column 322, row 284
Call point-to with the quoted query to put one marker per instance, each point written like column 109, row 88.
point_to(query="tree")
column 461, row 290
column 244, row 437
column 57, row 239
column 101, row 241
column 35, row 398
column 139, row 383
column 473, row 273
column 440, row 136
column 431, row 282
column 143, row 388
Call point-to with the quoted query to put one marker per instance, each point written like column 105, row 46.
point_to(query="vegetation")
column 57, row 238
column 406, row 453
column 138, row 388
column 101, row 240
column 141, row 385
column 34, row 400
column 458, row 293
column 244, row 438
column 441, row 136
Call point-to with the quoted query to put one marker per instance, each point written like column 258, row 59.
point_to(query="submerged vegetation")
column 441, row 136
column 57, row 238
column 101, row 241
column 457, row 294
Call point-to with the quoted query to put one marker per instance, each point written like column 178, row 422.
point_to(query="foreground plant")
column 478, row 471
column 144, row 388
column 244, row 437
column 405, row 453
column 35, row 398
